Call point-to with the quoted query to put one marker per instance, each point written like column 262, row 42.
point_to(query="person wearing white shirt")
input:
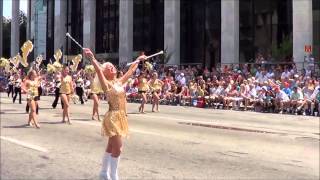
column 285, row 74
column 282, row 100
column 182, row 79
column 270, row 74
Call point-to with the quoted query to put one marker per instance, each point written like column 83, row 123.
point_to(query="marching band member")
column 17, row 88
column 66, row 90
column 143, row 88
column 79, row 87
column 57, row 90
column 156, row 87
column 95, row 91
column 10, row 84
column 115, row 124
column 32, row 84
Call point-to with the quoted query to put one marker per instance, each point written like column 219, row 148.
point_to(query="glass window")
column 76, row 25
column 107, row 26
column 200, row 32
column 50, row 29
column 264, row 27
column 316, row 29
column 148, row 25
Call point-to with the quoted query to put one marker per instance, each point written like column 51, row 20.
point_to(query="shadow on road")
column 58, row 122
column 81, row 119
column 14, row 113
column 17, row 126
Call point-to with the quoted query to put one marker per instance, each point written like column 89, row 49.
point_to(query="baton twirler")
column 148, row 57
column 68, row 35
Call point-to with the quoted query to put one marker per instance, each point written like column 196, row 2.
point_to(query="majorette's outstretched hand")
column 88, row 53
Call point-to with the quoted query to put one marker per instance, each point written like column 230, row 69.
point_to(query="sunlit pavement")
column 175, row 143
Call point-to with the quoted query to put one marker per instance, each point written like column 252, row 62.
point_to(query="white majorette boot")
column 114, row 168
column 104, row 173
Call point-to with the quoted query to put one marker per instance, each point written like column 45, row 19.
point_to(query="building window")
column 148, row 25
column 200, row 36
column 76, row 25
column 107, row 26
column 264, row 26
column 316, row 29
column 50, row 29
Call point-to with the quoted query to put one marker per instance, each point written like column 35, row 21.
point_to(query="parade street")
column 176, row 143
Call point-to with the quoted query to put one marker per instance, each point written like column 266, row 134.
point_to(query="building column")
column 229, row 31
column 125, row 31
column 172, row 30
column 1, row 29
column 89, row 24
column 15, row 29
column 302, row 29
column 60, row 30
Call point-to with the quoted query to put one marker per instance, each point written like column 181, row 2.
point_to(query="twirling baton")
column 148, row 57
column 68, row 35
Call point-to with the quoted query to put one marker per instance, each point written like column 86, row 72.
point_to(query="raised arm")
column 103, row 81
column 132, row 69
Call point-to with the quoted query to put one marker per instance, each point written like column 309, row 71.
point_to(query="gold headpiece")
column 57, row 55
column 75, row 62
column 26, row 49
column 16, row 60
column 51, row 69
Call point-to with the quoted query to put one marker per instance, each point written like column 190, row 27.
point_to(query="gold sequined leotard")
column 115, row 120
column 65, row 87
column 32, row 90
column 156, row 85
column 143, row 85
column 95, row 87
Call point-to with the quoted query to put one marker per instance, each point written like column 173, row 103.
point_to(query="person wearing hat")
column 287, row 88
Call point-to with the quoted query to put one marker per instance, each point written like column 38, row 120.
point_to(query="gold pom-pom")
column 89, row 69
column 4, row 62
column 51, row 69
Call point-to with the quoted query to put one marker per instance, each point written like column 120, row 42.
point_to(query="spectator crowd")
column 260, row 87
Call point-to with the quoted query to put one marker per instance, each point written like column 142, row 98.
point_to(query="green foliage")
column 285, row 49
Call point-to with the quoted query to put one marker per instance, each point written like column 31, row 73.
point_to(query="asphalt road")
column 176, row 143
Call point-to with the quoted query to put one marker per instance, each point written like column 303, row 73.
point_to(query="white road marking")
column 24, row 144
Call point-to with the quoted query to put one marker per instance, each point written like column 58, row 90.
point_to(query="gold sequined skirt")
column 115, row 123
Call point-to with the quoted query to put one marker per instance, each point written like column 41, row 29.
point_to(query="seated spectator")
column 281, row 101
column 268, row 99
column 296, row 100
column 287, row 89
column 244, row 94
column 309, row 101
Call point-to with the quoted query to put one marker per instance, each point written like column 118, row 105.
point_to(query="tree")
column 6, row 24
column 284, row 50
